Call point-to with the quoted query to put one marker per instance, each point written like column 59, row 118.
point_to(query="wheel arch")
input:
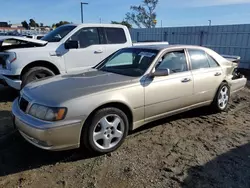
column 40, row 63
column 120, row 105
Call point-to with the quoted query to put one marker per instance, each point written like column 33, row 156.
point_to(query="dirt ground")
column 194, row 149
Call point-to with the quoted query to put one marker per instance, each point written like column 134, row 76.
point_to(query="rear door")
column 115, row 39
column 207, row 75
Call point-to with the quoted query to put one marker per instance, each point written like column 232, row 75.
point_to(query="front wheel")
column 221, row 98
column 105, row 131
column 36, row 73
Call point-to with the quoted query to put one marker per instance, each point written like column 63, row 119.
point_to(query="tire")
column 36, row 73
column 110, row 125
column 221, row 98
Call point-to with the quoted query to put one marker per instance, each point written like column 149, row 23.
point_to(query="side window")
column 115, row 36
column 86, row 37
column 174, row 61
column 212, row 62
column 198, row 59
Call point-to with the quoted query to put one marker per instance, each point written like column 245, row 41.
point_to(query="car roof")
column 96, row 25
column 164, row 46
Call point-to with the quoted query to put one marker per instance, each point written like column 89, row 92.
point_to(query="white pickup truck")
column 67, row 49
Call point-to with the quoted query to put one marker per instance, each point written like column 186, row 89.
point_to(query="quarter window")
column 212, row 62
column 174, row 61
column 86, row 37
column 115, row 35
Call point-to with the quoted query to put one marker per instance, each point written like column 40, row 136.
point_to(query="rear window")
column 115, row 35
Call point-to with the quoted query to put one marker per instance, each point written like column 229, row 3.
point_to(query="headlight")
column 10, row 57
column 47, row 113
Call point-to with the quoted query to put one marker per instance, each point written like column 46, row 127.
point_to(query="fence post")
column 137, row 36
column 165, row 36
column 201, row 38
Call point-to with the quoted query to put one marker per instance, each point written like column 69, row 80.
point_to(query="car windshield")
column 58, row 34
column 129, row 61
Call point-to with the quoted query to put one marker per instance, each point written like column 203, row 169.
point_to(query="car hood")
column 59, row 89
column 4, row 42
column 23, row 39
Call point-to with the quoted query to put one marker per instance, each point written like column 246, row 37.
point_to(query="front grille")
column 23, row 104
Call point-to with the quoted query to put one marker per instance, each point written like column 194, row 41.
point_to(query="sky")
column 170, row 13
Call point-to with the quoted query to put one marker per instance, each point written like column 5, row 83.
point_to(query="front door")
column 169, row 93
column 88, row 54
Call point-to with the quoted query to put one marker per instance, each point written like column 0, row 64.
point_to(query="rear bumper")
column 237, row 84
column 16, row 84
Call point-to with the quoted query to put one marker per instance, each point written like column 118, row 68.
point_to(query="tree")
column 41, row 24
column 25, row 24
column 33, row 23
column 122, row 23
column 143, row 15
column 60, row 24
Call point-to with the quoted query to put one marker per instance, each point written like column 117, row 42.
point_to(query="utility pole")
column 82, row 3
column 210, row 22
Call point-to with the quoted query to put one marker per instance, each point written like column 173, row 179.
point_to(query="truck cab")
column 68, row 49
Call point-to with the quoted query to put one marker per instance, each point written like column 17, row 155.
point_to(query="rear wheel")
column 221, row 99
column 36, row 73
column 105, row 131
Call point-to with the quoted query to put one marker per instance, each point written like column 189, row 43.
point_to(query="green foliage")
column 122, row 23
column 60, row 24
column 25, row 24
column 33, row 23
column 143, row 15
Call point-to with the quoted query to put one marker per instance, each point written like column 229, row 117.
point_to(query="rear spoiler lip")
column 232, row 58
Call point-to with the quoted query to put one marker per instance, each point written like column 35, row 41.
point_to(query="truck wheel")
column 221, row 98
column 105, row 131
column 36, row 73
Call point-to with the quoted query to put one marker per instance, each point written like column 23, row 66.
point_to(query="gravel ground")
column 193, row 149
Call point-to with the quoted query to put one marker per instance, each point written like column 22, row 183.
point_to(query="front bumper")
column 55, row 136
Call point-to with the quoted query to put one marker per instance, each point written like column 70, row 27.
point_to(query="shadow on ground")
column 231, row 169
column 7, row 94
column 16, row 155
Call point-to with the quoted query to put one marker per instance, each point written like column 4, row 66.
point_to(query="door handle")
column 217, row 74
column 99, row 51
column 186, row 80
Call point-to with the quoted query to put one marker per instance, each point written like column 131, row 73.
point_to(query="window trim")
column 101, row 31
column 169, row 51
column 105, row 31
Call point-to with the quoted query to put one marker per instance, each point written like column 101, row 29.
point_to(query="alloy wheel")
column 223, row 97
column 108, row 132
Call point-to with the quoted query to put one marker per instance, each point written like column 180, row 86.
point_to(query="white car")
column 67, row 49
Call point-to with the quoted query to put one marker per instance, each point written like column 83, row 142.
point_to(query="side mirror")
column 71, row 44
column 161, row 72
